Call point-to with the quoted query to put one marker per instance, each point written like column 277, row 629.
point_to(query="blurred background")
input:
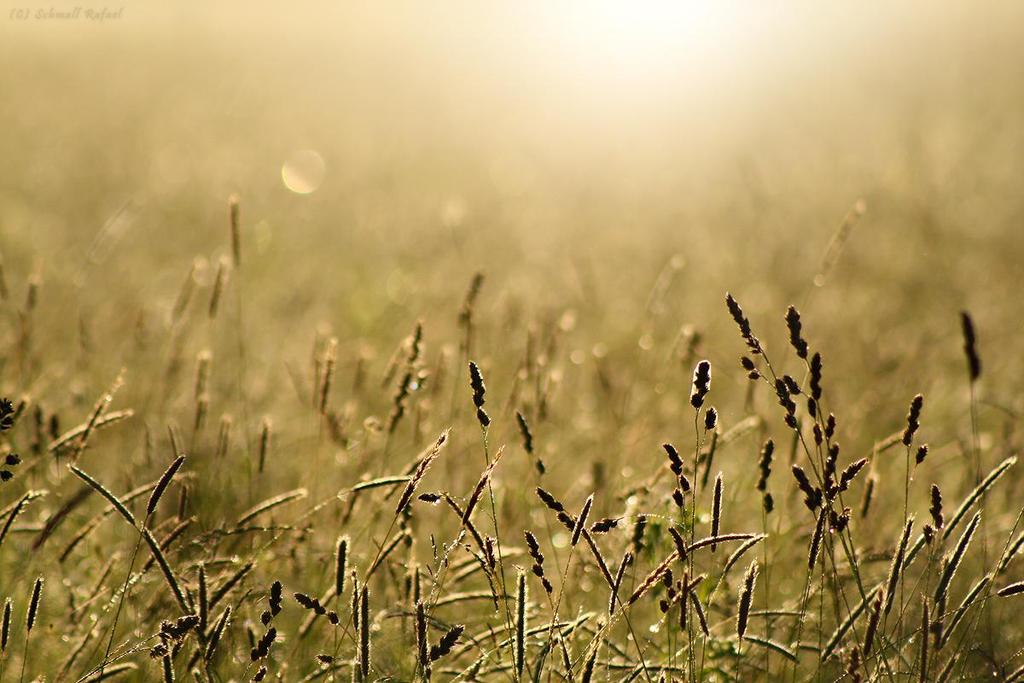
column 569, row 150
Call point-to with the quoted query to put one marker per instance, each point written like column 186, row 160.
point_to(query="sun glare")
column 639, row 37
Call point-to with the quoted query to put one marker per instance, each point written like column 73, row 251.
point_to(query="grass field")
column 357, row 342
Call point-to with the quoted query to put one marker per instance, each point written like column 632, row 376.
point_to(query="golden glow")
column 640, row 37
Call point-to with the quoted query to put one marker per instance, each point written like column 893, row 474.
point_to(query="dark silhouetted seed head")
column 795, row 338
column 970, row 346
column 524, row 431
column 710, row 419
column 701, row 383
column 33, row 605
column 476, row 382
column 913, row 420
column 741, row 321
column 746, row 599
column 936, row 507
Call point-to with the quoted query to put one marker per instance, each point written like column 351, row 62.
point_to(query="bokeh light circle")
column 304, row 171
